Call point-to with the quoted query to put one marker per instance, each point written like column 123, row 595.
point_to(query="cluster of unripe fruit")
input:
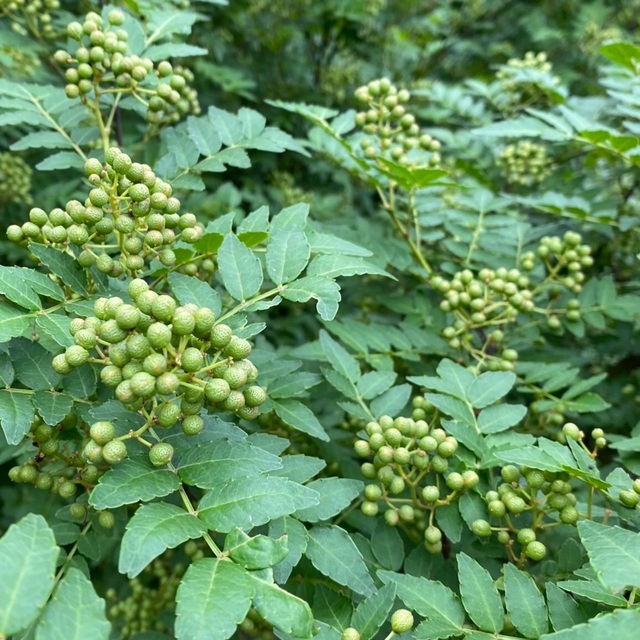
column 152, row 594
column 102, row 61
column 401, row 622
column 392, row 132
column 129, row 203
column 33, row 14
column 519, row 85
column 489, row 298
column 169, row 359
column 59, row 467
column 15, row 179
column 525, row 163
column 564, row 259
column 411, row 459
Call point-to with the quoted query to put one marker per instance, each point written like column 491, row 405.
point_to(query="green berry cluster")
column 489, row 298
column 15, row 179
column 521, row 503
column 152, row 596
column 30, row 15
column 527, row 79
column 392, row 132
column 169, row 359
column 58, row 465
column 564, row 259
column 524, row 163
column 102, row 62
column 414, row 460
column 128, row 203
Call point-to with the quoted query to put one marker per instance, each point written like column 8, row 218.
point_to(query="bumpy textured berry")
column 160, row 454
column 114, row 452
column 401, row 621
column 102, row 432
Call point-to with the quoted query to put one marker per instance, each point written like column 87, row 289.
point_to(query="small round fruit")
column 168, row 415
column 182, row 323
column 350, row 634
column 192, row 425
column 430, row 494
column 401, row 621
column 369, row 508
column 159, row 335
column 160, row 454
column 167, row 383
column 481, row 528
column 192, row 360
column 510, row 473
column 77, row 511
column 127, row 316
column 238, row 348
column 497, row 509
column 114, row 452
column 163, row 308
column 76, row 355
column 432, row 534
column 217, row 390
column 102, row 432
column 220, row 336
column 106, row 520
column 234, row 401
column 571, row 431
column 526, row 536
column 67, row 489
column 629, row 498
column 535, row 550
column 143, row 384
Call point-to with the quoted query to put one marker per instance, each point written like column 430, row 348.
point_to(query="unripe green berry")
column 217, row 390
column 114, row 452
column 192, row 360
column 432, row 534
column 192, row 425
column 106, row 520
column 76, row 355
column 167, row 384
column 238, row 348
column 102, row 432
column 254, row 396
column 535, row 551
column 182, row 323
column 401, row 621
column 629, row 498
column 160, row 454
column 571, row 431
column 481, row 528
column 510, row 473
column 430, row 494
column 350, row 634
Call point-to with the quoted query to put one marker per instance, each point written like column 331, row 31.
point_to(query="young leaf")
column 258, row 552
column 213, row 598
column 75, row 612
column 614, row 553
column 373, row 383
column 525, row 603
column 250, row 502
column 500, row 417
column 240, row 269
column 479, row 594
column 392, row 401
column 324, row 290
column 300, row 417
column 333, row 553
column 282, row 609
column 373, row 611
column 335, row 495
column 28, row 554
column 287, row 254
column 152, row 530
column 133, row 480
column 297, row 539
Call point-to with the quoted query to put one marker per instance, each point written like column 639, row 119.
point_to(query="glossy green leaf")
column 613, row 552
column 325, row 291
column 133, row 480
column 152, row 530
column 428, row 598
column 213, row 463
column 334, row 495
column 52, row 406
column 28, row 554
column 32, row 364
column 480, row 595
column 75, row 612
column 387, row 546
column 56, row 326
column 564, row 611
column 62, row 265
column 250, row 502
column 287, row 255
column 500, row 417
column 373, row 611
column 300, row 417
column 334, row 554
column 392, row 401
column 489, row 388
column 285, row 611
column 14, row 321
column 525, row 603
column 212, row 599
column 16, row 415
column 189, row 290
column 621, row 625
column 339, row 358
column 297, row 539
column 16, row 288
column 239, row 268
